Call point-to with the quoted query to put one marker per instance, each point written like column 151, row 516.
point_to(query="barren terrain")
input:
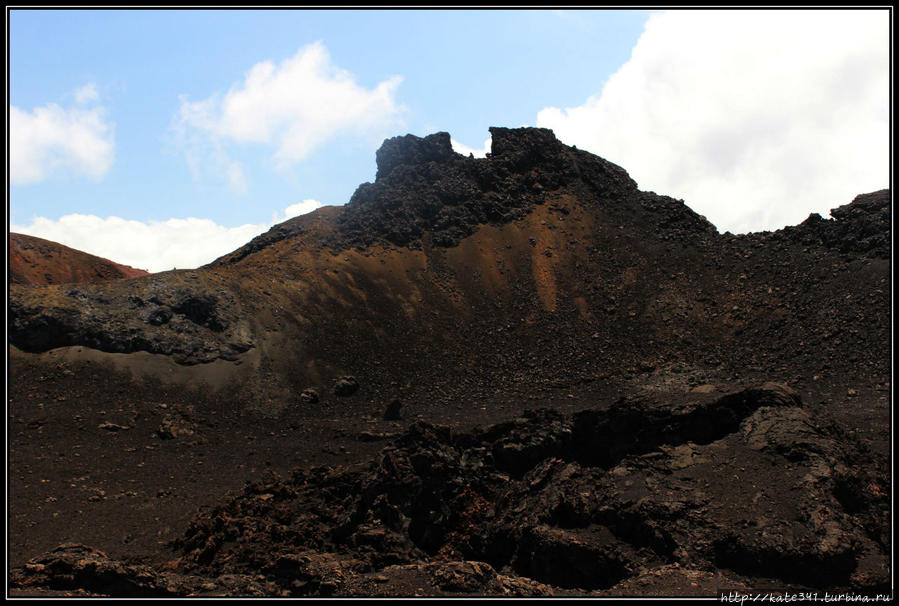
column 510, row 376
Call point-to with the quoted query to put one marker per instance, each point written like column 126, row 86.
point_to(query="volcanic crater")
column 517, row 375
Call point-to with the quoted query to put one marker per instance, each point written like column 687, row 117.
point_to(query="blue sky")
column 125, row 124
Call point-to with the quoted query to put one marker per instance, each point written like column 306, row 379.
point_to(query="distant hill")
column 38, row 261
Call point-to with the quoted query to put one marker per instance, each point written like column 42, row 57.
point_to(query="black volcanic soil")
column 597, row 394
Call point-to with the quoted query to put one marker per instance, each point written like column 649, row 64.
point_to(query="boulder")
column 346, row 386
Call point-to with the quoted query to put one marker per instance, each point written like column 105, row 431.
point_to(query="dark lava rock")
column 412, row 150
column 425, row 194
column 112, row 426
column 346, row 386
column 173, row 314
column 423, row 187
column 465, row 578
column 568, row 518
column 82, row 571
column 392, row 412
column 309, row 396
column 861, row 227
column 288, row 229
column 74, row 566
column 158, row 316
column 175, row 425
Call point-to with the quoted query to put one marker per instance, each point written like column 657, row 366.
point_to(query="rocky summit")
column 517, row 375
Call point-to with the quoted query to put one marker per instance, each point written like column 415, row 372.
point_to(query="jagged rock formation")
column 423, row 187
column 38, row 261
column 575, row 360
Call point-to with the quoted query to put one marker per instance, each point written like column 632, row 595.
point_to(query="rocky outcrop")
column 180, row 315
column 424, row 191
column 424, row 188
column 410, row 150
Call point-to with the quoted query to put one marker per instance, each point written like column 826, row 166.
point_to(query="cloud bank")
column 754, row 118
column 294, row 107
column 154, row 245
column 51, row 141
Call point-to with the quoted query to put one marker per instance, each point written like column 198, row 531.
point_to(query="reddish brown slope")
column 38, row 261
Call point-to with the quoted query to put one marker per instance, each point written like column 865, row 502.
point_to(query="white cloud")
column 51, row 140
column 459, row 148
column 236, row 179
column 754, row 118
column 154, row 245
column 294, row 106
column 295, row 210
column 87, row 93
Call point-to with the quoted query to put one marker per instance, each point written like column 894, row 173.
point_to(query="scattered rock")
column 374, row 436
column 469, row 577
column 707, row 388
column 158, row 316
column 392, row 412
column 860, row 227
column 175, row 425
column 112, row 426
column 309, row 396
column 74, row 566
column 346, row 386
column 581, row 502
column 563, row 501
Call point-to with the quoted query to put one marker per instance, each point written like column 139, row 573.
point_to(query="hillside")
column 38, row 261
column 461, row 353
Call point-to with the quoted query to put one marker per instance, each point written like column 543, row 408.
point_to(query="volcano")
column 504, row 376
